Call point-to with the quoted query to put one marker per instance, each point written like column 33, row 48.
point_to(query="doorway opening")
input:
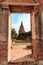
column 21, row 36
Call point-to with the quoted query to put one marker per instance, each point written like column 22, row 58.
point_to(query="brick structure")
column 35, row 8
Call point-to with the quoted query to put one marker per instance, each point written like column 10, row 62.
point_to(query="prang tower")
column 21, row 30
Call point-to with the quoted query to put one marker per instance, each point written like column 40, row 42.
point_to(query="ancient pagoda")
column 21, row 30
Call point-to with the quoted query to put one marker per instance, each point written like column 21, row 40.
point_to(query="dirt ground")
column 19, row 51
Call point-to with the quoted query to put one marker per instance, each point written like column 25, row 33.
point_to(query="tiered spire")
column 21, row 30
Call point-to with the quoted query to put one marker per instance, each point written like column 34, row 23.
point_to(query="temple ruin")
column 35, row 8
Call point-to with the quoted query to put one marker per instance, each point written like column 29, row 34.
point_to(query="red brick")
column 3, row 52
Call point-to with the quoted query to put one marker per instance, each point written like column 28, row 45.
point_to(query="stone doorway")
column 36, row 10
column 22, row 37
column 21, row 9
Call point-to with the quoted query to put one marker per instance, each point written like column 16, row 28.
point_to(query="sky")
column 16, row 19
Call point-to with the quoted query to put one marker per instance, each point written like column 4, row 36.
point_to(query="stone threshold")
column 28, row 58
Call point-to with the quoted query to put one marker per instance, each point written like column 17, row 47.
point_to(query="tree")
column 13, row 34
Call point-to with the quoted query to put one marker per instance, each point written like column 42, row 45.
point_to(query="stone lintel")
column 21, row 3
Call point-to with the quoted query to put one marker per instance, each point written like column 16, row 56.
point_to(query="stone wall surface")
column 3, row 35
column 3, row 25
column 39, row 34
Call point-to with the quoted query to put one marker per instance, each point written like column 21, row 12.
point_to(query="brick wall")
column 39, row 34
column 34, row 47
column 37, row 46
column 37, row 43
column 3, row 35
column 3, row 51
column 40, row 49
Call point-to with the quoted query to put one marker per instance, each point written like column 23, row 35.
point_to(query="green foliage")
column 13, row 34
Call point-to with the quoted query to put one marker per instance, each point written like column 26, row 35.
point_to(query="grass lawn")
column 21, row 43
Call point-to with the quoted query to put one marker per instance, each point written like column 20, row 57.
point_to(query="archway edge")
column 33, row 31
